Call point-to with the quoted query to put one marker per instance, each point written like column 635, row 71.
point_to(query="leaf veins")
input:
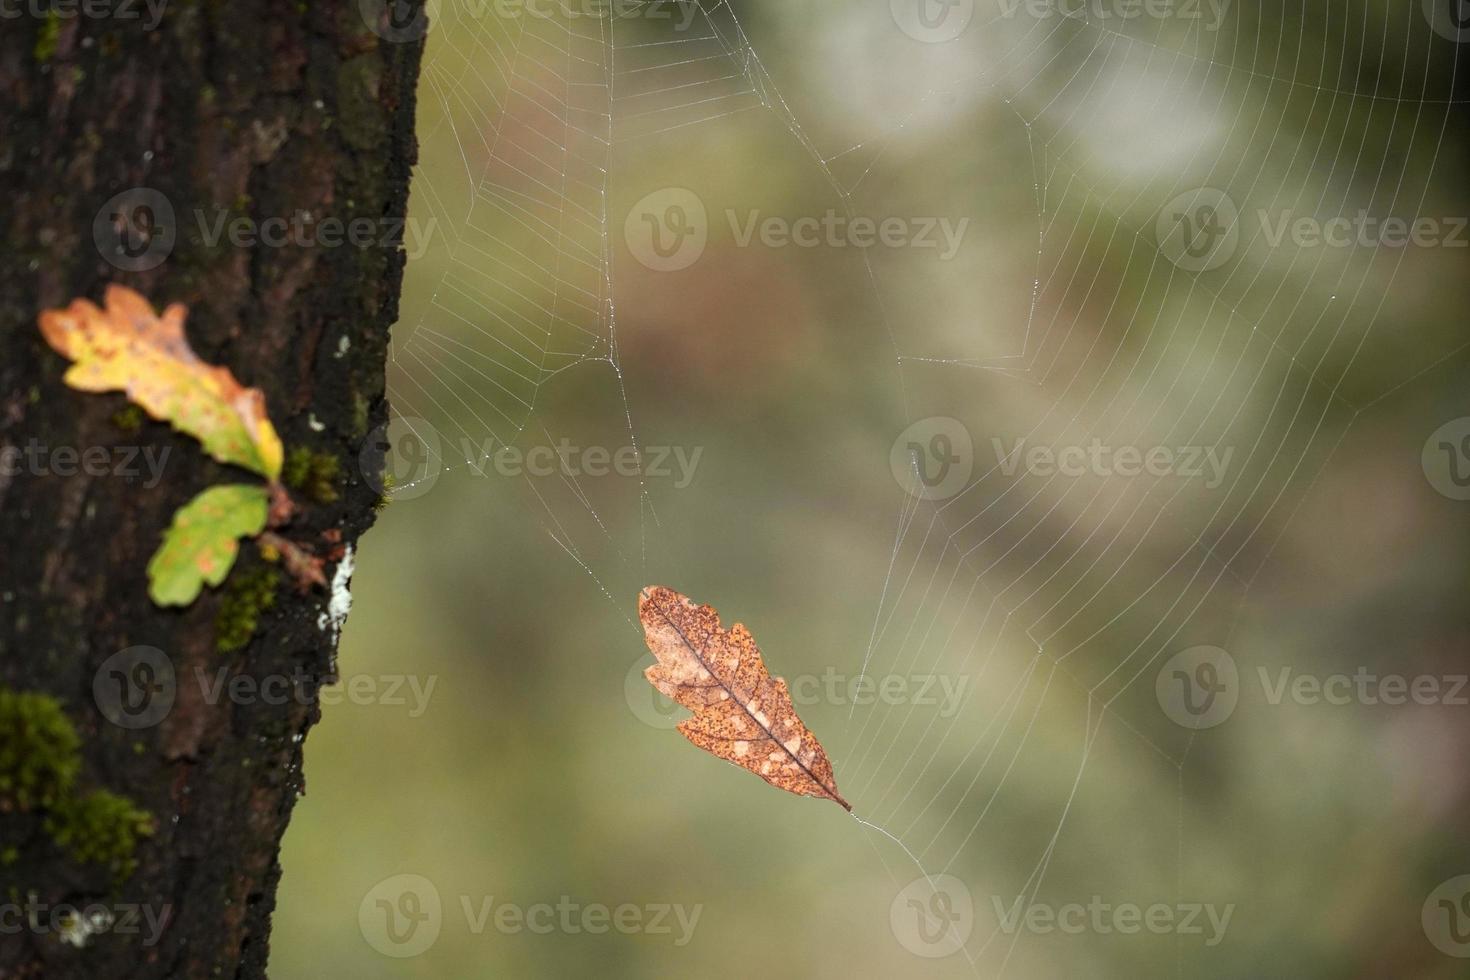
column 741, row 713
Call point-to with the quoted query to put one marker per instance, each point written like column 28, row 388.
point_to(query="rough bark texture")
column 245, row 109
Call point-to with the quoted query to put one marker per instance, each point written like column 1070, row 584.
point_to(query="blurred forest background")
column 537, row 766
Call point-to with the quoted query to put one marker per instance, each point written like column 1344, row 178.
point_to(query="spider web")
column 1057, row 597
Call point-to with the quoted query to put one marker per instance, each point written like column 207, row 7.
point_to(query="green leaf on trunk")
column 201, row 544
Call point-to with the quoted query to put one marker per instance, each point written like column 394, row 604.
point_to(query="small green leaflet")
column 201, row 544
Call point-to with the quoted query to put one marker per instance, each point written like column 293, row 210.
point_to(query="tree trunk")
column 225, row 115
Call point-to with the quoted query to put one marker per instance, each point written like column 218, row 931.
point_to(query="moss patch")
column 39, row 763
column 49, row 38
column 314, row 474
column 247, row 595
column 100, row 828
column 386, row 496
column 38, row 751
column 129, row 419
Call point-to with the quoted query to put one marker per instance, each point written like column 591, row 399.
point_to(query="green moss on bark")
column 314, row 474
column 247, row 595
column 100, row 828
column 38, row 751
column 49, row 38
column 129, row 419
column 39, row 762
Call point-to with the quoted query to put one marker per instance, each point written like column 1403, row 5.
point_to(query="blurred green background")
column 539, row 769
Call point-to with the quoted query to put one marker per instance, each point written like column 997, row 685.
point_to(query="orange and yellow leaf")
column 127, row 347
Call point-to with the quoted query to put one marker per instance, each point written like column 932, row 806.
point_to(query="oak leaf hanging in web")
column 127, row 347
column 741, row 713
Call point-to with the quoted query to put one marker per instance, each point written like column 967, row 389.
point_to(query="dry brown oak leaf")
column 741, row 713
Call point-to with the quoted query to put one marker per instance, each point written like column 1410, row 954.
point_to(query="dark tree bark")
column 252, row 109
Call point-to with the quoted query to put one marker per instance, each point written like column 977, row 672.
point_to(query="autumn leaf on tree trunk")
column 741, row 713
column 201, row 544
column 127, row 347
